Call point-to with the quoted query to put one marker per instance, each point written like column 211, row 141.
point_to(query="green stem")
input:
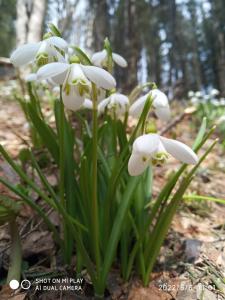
column 61, row 149
column 165, row 219
column 206, row 198
column 16, row 253
column 94, row 204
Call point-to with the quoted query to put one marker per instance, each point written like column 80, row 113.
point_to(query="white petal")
column 87, row 104
column 119, row 103
column 180, row 151
column 163, row 113
column 56, row 89
column 102, row 105
column 52, row 70
column 159, row 98
column 31, row 77
column 76, row 73
column 51, row 82
column 57, row 41
column 119, row 60
column 99, row 76
column 73, row 100
column 137, row 164
column 45, row 47
column 120, row 99
column 98, row 58
column 146, row 144
column 137, row 107
column 60, row 58
column 59, row 79
column 24, row 54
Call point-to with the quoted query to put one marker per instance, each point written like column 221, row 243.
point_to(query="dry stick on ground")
column 30, row 231
column 178, row 119
column 18, row 135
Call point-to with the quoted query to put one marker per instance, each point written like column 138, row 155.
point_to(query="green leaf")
column 201, row 133
column 118, row 225
column 46, row 133
column 33, row 205
column 165, row 218
column 84, row 59
column 54, row 30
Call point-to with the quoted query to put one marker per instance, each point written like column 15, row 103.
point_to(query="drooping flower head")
column 153, row 148
column 40, row 53
column 160, row 103
column 214, row 92
column 99, row 59
column 116, row 104
column 76, row 81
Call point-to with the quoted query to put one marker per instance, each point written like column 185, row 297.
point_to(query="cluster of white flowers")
column 53, row 63
column 211, row 97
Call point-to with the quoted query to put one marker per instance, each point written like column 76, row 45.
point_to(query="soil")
column 192, row 260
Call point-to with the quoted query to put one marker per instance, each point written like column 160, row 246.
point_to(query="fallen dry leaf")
column 8, row 294
column 38, row 242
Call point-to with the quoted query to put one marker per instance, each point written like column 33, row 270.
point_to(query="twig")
column 19, row 136
column 30, row 231
column 178, row 119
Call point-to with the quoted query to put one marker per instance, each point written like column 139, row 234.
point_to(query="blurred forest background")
column 179, row 44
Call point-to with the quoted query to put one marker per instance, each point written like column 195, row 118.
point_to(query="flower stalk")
column 16, row 253
column 94, row 206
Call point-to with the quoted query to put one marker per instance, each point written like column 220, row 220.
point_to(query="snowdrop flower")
column 222, row 101
column 76, row 80
column 220, row 120
column 155, row 148
column 206, row 98
column 56, row 90
column 100, row 59
column 194, row 100
column 214, row 92
column 215, row 102
column 87, row 104
column 160, row 103
column 191, row 94
column 198, row 94
column 31, row 77
column 42, row 52
column 117, row 103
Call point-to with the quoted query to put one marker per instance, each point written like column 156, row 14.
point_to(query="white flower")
column 153, row 147
column 87, row 104
column 194, row 100
column 198, row 94
column 190, row 94
column 56, row 90
column 214, row 92
column 100, row 59
column 160, row 103
column 215, row 102
column 222, row 101
column 42, row 52
column 31, row 77
column 115, row 103
column 76, row 80
column 206, row 98
column 220, row 120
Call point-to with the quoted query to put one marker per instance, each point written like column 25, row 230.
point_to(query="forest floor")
column 192, row 261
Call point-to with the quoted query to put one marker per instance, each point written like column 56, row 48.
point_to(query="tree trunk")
column 35, row 28
column 132, row 45
column 221, row 63
column 30, row 19
column 21, row 23
column 101, row 28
